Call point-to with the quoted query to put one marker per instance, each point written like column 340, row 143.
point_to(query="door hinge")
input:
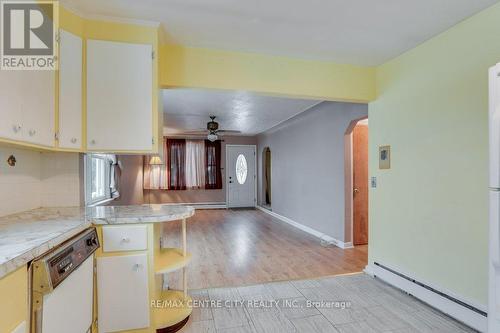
column 58, row 37
column 56, row 136
column 153, row 55
column 153, row 140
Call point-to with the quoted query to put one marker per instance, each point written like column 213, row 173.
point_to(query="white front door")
column 240, row 176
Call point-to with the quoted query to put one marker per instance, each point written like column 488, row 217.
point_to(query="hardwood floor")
column 245, row 247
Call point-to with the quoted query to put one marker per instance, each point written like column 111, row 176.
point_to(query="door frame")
column 348, row 184
column 255, row 175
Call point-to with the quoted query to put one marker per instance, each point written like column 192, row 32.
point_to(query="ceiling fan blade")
column 228, row 131
column 200, row 132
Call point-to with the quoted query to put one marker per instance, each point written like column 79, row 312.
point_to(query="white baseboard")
column 202, row 205
column 433, row 297
column 307, row 229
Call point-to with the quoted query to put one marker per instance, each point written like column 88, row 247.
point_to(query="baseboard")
column 465, row 311
column 202, row 205
column 311, row 231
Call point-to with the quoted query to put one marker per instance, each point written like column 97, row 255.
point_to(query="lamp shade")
column 155, row 160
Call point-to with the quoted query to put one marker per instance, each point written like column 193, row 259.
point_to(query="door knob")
column 355, row 191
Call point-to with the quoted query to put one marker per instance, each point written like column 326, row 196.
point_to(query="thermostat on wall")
column 384, row 154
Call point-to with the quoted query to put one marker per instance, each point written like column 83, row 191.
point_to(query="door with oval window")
column 240, row 176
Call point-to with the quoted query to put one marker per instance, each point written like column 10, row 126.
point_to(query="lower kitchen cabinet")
column 123, row 293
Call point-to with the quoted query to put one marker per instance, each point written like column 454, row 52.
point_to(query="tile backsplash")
column 38, row 180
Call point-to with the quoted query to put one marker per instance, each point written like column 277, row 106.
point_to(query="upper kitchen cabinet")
column 27, row 107
column 70, row 91
column 120, row 97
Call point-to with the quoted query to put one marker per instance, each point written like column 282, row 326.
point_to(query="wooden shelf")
column 175, row 309
column 170, row 259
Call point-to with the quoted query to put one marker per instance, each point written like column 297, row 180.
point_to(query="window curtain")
column 213, row 178
column 176, row 159
column 155, row 177
column 114, row 178
column 195, row 164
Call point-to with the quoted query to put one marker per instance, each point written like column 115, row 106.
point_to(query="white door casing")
column 241, row 176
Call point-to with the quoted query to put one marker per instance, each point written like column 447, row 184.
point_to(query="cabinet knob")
column 137, row 267
column 32, row 132
column 92, row 142
column 16, row 128
column 73, row 140
column 126, row 240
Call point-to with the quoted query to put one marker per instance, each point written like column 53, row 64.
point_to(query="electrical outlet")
column 374, row 182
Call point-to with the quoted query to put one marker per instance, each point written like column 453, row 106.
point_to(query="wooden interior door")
column 360, row 184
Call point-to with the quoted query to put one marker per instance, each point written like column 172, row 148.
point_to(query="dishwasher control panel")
column 53, row 268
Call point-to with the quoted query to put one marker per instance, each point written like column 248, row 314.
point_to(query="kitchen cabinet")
column 14, row 301
column 70, row 91
column 123, row 294
column 27, row 106
column 119, row 96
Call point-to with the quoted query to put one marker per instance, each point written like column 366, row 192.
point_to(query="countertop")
column 138, row 214
column 27, row 235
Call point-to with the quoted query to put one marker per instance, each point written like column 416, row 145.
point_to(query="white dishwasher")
column 62, row 286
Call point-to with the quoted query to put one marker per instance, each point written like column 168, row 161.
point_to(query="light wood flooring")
column 245, row 247
column 371, row 306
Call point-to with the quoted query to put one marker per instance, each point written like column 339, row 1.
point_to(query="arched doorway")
column 266, row 179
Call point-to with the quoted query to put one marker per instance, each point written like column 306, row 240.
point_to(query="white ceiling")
column 362, row 32
column 189, row 109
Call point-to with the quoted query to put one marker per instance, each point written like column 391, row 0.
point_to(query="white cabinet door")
column 37, row 106
column 122, row 293
column 70, row 91
column 27, row 108
column 119, row 96
column 10, row 106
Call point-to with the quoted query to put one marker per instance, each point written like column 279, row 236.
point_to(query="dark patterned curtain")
column 176, row 154
column 213, row 177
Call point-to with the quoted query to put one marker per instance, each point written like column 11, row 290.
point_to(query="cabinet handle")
column 73, row 140
column 32, row 132
column 125, row 240
column 92, row 142
column 16, row 128
column 137, row 267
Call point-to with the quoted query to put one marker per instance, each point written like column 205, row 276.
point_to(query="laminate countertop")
column 27, row 235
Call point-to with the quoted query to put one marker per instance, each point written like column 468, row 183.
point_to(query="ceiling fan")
column 213, row 130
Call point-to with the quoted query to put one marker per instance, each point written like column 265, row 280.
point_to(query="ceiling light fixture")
column 212, row 137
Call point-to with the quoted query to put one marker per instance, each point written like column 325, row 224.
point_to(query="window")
column 241, row 169
column 98, row 178
column 177, row 164
column 188, row 164
column 213, row 178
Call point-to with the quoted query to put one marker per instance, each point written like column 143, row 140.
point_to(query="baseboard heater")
column 460, row 310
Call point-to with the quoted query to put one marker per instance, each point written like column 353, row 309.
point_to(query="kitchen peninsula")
column 130, row 259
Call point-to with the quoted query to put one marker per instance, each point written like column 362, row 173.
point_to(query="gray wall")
column 307, row 177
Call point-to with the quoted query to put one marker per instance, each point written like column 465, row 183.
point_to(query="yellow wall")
column 207, row 68
column 429, row 213
column 13, row 299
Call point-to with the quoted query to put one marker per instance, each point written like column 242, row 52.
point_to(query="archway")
column 266, row 179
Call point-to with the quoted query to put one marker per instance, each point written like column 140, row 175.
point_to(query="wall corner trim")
column 311, row 231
